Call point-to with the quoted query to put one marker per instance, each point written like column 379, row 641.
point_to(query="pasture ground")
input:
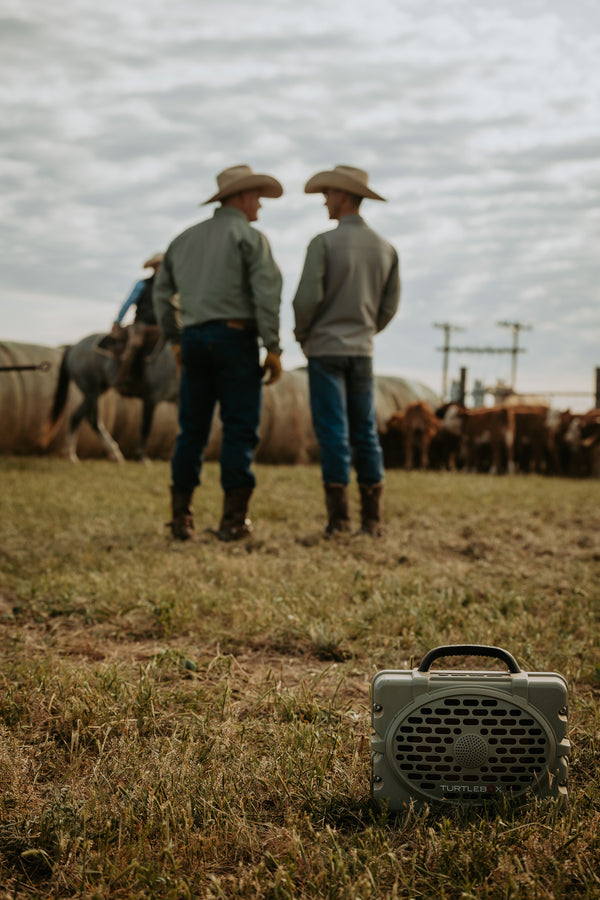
column 192, row 720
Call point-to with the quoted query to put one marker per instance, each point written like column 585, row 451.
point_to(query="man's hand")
column 272, row 366
column 176, row 348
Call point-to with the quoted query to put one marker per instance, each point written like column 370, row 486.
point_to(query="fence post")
column 463, row 381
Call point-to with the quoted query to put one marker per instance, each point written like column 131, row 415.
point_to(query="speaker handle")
column 469, row 650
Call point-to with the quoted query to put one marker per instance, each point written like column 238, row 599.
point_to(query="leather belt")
column 239, row 324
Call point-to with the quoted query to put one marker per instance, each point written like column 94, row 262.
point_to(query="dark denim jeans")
column 342, row 401
column 220, row 364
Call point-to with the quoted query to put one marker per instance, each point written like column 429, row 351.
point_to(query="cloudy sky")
column 479, row 122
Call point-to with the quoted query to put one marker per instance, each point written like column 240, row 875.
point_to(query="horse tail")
column 57, row 412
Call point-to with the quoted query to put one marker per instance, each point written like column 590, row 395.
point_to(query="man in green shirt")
column 349, row 290
column 227, row 290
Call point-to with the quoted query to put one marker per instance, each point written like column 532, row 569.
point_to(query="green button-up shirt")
column 221, row 268
column 349, row 290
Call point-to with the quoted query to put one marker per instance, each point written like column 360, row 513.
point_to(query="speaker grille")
column 470, row 744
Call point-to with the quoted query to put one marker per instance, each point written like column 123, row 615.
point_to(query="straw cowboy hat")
column 155, row 260
column 242, row 178
column 342, row 178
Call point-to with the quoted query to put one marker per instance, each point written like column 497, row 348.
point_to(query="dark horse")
column 93, row 368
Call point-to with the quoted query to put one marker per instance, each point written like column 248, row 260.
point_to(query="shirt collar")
column 230, row 211
column 351, row 219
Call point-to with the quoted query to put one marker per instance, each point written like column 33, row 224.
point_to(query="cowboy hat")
column 342, row 178
column 242, row 178
column 155, row 260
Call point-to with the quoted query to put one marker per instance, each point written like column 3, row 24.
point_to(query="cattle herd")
column 499, row 439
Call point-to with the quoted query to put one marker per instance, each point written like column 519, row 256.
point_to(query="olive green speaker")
column 467, row 736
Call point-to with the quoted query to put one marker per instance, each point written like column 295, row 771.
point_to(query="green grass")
column 192, row 720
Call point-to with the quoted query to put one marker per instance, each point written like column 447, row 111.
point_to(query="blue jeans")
column 342, row 401
column 220, row 364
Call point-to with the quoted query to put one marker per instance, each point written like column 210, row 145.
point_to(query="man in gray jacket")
column 349, row 290
column 216, row 296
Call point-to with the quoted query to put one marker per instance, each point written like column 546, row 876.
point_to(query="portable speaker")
column 467, row 736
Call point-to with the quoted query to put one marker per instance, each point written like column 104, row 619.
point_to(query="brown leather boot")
column 235, row 523
column 370, row 509
column 336, row 501
column 182, row 523
column 128, row 358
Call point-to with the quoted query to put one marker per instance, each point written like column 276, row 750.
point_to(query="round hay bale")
column 394, row 394
column 161, row 441
column 286, row 432
column 26, row 398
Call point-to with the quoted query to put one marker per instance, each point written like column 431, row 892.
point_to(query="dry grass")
column 193, row 720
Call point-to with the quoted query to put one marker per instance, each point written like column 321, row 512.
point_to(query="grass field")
column 193, row 720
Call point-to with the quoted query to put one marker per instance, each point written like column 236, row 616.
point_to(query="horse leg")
column 90, row 412
column 147, row 417
column 111, row 444
column 76, row 419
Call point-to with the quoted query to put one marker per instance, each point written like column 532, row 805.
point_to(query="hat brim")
column 265, row 184
column 323, row 181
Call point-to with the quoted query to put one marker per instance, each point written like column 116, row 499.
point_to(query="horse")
column 94, row 370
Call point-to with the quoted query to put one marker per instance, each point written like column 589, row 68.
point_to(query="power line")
column 447, row 328
column 516, row 328
column 514, row 350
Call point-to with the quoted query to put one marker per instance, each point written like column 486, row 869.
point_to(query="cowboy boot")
column 132, row 361
column 336, row 501
column 182, row 523
column 123, row 377
column 370, row 509
column 235, row 523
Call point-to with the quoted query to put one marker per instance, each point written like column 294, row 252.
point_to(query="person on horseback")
column 143, row 334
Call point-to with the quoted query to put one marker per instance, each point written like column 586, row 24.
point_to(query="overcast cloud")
column 480, row 126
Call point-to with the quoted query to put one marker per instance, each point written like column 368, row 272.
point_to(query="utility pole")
column 447, row 329
column 516, row 328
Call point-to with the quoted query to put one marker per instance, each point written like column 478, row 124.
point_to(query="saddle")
column 115, row 342
column 133, row 346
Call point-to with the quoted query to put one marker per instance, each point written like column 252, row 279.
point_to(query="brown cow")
column 590, row 434
column 408, row 434
column 488, row 437
column 544, row 439
column 558, row 452
column 391, row 438
column 580, row 441
column 445, row 448
column 532, row 424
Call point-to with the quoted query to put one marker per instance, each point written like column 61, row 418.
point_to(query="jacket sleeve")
column 136, row 293
column 311, row 289
column 390, row 299
column 165, row 300
column 265, row 285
